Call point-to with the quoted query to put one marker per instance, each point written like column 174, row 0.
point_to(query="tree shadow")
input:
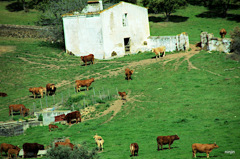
column 14, row 7
column 212, row 14
column 172, row 18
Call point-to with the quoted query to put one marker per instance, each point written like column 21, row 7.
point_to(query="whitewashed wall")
column 83, row 35
column 114, row 32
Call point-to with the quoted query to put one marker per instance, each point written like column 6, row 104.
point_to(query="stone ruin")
column 211, row 43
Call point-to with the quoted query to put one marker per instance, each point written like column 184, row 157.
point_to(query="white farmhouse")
column 122, row 28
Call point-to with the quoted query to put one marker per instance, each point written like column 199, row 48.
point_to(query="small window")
column 124, row 19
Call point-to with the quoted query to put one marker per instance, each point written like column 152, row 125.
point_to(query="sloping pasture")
column 165, row 97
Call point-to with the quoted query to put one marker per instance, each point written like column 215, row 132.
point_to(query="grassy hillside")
column 164, row 98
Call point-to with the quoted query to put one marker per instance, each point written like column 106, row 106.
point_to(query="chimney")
column 93, row 6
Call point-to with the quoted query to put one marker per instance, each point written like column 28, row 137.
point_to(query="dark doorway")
column 127, row 45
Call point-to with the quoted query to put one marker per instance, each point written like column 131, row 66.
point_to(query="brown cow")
column 5, row 147
column 64, row 144
column 32, row 148
column 14, row 152
column 73, row 115
column 128, row 73
column 134, row 149
column 3, row 94
column 123, row 95
column 87, row 58
column 163, row 140
column 50, row 89
column 223, row 32
column 159, row 50
column 18, row 107
column 36, row 90
column 50, row 126
column 203, row 148
column 83, row 83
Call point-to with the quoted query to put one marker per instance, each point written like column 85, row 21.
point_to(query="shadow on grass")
column 166, row 148
column 212, row 14
column 172, row 18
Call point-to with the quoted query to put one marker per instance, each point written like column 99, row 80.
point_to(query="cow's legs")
column 169, row 146
column 161, row 146
column 207, row 154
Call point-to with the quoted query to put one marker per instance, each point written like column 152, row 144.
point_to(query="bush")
column 235, row 35
column 40, row 117
column 62, row 152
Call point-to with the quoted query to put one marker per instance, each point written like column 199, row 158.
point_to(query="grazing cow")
column 36, row 90
column 18, row 107
column 163, row 140
column 223, row 32
column 73, row 115
column 5, row 147
column 134, row 149
column 64, row 144
column 203, row 148
column 99, row 141
column 50, row 126
column 159, row 50
column 128, row 73
column 3, row 94
column 123, row 95
column 32, row 148
column 13, row 152
column 87, row 58
column 50, row 89
column 83, row 83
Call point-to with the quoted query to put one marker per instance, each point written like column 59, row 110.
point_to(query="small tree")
column 235, row 35
column 52, row 12
column 166, row 6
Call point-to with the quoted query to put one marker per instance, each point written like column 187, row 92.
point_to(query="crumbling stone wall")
column 23, row 31
column 211, row 43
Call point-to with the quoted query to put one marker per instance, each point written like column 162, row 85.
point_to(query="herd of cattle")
column 33, row 148
column 51, row 90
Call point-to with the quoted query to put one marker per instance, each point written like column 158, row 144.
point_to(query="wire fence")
column 70, row 99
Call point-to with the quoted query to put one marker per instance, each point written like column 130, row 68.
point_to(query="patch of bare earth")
column 5, row 49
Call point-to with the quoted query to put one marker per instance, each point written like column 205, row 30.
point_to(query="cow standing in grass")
column 203, row 148
column 134, row 149
column 4, row 147
column 128, row 73
column 73, row 115
column 31, row 148
column 18, row 108
column 50, row 89
column 83, row 83
column 159, row 50
column 87, row 58
column 164, row 140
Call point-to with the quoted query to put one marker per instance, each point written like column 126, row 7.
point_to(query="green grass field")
column 164, row 98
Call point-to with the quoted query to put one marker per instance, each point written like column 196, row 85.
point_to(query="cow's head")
column 40, row 147
column 82, row 57
column 131, row 72
column 52, row 86
column 176, row 137
column 30, row 89
column 215, row 145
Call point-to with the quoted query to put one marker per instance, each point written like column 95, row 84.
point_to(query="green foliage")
column 40, row 117
column 166, row 6
column 63, row 152
column 235, row 35
column 52, row 12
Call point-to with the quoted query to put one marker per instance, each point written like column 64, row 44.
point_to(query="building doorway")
column 127, row 45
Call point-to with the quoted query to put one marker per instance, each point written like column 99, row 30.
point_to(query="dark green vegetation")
column 199, row 105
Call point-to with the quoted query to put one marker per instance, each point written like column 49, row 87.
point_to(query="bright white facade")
column 123, row 28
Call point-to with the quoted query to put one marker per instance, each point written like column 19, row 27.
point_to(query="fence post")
column 94, row 92
column 108, row 95
column 46, row 102
column 12, row 112
column 62, row 99
column 117, row 90
column 100, row 95
column 54, row 99
column 41, row 103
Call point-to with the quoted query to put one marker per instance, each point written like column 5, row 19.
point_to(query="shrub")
column 63, row 152
column 235, row 35
column 40, row 117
